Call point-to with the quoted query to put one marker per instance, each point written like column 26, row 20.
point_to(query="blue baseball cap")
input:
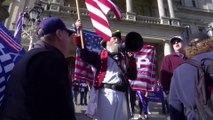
column 50, row 25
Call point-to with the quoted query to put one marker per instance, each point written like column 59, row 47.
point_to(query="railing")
column 150, row 20
column 125, row 16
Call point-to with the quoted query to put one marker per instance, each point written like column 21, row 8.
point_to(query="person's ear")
column 59, row 34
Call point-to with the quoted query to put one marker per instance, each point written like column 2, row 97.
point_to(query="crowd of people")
column 181, row 52
column 39, row 87
column 80, row 87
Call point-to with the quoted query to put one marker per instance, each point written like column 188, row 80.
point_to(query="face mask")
column 113, row 48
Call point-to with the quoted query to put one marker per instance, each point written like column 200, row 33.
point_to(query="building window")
column 178, row 3
column 201, row 29
column 166, row 11
column 194, row 3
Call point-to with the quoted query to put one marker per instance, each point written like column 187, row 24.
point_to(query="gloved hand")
column 131, row 60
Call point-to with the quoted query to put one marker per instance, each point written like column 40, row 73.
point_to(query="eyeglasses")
column 69, row 33
column 175, row 41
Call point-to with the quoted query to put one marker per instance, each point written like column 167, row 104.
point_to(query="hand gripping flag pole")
column 81, row 33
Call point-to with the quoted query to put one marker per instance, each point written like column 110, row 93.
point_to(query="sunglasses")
column 175, row 40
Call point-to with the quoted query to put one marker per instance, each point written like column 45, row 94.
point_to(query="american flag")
column 18, row 30
column 98, row 10
column 83, row 70
column 108, row 5
column 146, row 69
column 10, row 53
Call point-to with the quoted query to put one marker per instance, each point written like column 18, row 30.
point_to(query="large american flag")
column 83, row 70
column 146, row 69
column 10, row 53
column 98, row 9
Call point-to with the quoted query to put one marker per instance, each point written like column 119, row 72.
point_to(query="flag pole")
column 81, row 33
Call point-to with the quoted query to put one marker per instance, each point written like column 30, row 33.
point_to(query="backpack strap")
column 201, row 85
column 207, row 59
column 193, row 62
column 203, row 98
column 197, row 63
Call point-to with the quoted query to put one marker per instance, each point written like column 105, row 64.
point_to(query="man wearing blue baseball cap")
column 50, row 25
column 39, row 88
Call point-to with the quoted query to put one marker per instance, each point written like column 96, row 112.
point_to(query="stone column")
column 129, row 7
column 3, row 12
column 130, row 15
column 167, row 48
column 161, row 8
column 14, row 9
column 171, row 10
column 54, row 1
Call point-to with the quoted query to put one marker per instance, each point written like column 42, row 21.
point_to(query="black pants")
column 83, row 98
column 132, row 100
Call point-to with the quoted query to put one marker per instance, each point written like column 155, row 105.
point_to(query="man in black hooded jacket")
column 38, row 88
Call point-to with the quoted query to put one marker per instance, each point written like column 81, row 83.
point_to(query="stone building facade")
column 156, row 20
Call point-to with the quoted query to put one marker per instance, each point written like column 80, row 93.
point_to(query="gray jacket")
column 182, row 90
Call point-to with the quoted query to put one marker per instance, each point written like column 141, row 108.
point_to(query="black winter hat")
column 117, row 34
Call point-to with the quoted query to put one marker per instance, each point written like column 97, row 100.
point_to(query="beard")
column 113, row 48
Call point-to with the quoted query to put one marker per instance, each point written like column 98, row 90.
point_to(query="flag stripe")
column 144, row 53
column 141, row 88
column 151, row 77
column 147, row 80
column 81, row 67
column 99, row 20
column 111, row 6
column 10, row 41
column 98, row 11
column 146, row 69
column 91, row 6
column 106, row 37
column 11, row 52
column 102, row 29
column 103, row 7
column 83, row 76
column 83, row 71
